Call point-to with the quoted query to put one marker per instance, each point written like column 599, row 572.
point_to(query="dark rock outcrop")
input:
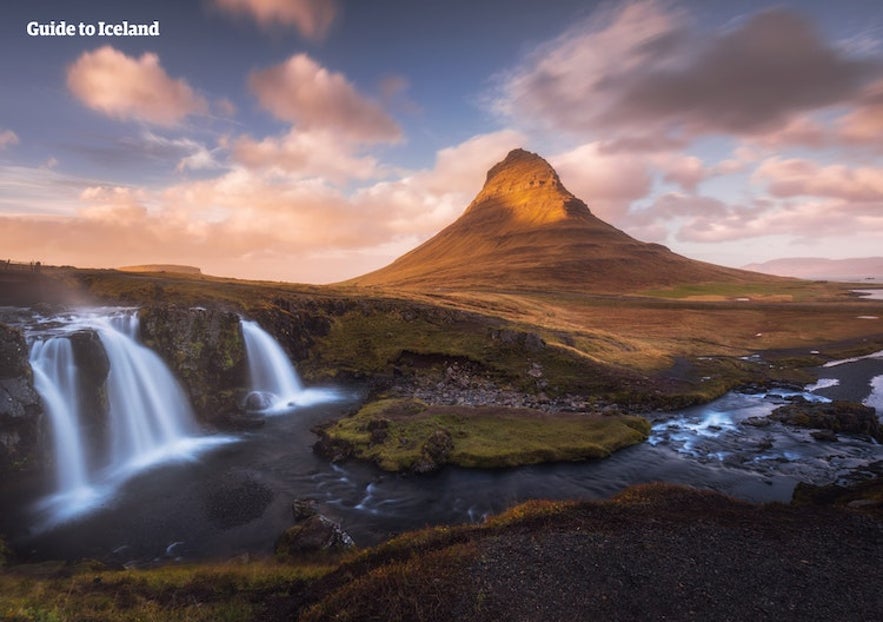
column 205, row 350
column 313, row 533
column 435, row 452
column 21, row 410
column 839, row 416
column 93, row 366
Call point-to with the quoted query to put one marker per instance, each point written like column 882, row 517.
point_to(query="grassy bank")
column 210, row 592
column 407, row 435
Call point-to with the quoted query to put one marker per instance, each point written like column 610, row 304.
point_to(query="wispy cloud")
column 8, row 138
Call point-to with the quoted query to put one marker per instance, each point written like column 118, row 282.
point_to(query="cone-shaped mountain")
column 525, row 230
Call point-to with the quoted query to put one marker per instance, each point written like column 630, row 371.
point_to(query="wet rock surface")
column 313, row 533
column 205, row 350
column 21, row 410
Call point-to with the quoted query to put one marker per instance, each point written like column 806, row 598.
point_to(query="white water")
column 149, row 418
column 875, row 399
column 272, row 377
column 55, row 378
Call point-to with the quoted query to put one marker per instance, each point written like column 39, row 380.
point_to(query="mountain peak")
column 526, row 189
column 524, row 230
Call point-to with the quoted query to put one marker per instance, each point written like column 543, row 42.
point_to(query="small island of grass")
column 409, row 435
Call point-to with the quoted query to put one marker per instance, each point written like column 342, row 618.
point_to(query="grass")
column 195, row 593
column 795, row 290
column 405, row 435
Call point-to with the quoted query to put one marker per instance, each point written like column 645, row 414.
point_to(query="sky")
column 316, row 140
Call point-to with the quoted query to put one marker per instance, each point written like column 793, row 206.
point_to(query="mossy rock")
column 838, row 416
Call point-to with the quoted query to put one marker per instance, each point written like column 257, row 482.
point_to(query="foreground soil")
column 653, row 553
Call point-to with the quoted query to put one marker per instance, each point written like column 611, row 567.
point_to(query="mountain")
column 853, row 270
column 161, row 267
column 525, row 230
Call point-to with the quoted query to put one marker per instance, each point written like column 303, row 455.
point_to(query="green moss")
column 403, row 434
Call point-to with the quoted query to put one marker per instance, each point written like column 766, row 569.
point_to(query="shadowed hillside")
column 525, row 230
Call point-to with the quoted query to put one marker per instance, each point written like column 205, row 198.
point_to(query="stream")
column 234, row 497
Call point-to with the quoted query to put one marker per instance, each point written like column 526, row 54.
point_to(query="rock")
column 435, row 452
column 302, row 509
column 757, row 422
column 21, row 410
column 828, row 436
column 205, row 350
column 93, row 366
column 839, row 416
column 315, row 534
column 258, row 400
column 379, row 430
column 335, row 450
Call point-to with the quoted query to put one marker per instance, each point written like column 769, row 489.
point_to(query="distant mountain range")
column 525, row 230
column 852, row 270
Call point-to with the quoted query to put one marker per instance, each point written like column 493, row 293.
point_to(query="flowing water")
column 275, row 387
column 148, row 421
column 236, row 498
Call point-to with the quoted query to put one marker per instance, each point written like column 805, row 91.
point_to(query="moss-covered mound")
column 408, row 435
column 838, row 416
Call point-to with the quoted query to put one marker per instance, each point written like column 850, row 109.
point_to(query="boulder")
column 838, row 416
column 21, row 410
column 435, row 452
column 313, row 533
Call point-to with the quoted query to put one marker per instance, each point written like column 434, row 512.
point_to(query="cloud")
column 302, row 92
column 607, row 182
column 317, row 153
column 422, row 202
column 8, row 138
column 123, row 87
column 312, row 18
column 797, row 177
column 119, row 205
column 638, row 70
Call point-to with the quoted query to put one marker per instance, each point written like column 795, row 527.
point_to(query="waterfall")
column 273, row 381
column 55, row 379
column 149, row 413
column 149, row 418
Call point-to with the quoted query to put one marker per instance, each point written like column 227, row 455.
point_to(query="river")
column 235, row 498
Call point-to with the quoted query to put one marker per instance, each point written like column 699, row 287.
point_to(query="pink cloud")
column 124, row 87
column 316, row 153
column 312, row 18
column 607, row 182
column 7, row 138
column 798, row 177
column 302, row 92
column 638, row 70
column 420, row 203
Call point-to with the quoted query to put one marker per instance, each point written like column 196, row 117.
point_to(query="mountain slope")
column 525, row 230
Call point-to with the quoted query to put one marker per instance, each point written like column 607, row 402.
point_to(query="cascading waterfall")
column 149, row 413
column 273, row 381
column 149, row 418
column 55, row 378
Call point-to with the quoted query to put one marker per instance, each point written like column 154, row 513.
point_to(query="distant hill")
column 853, row 270
column 525, row 230
column 161, row 267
